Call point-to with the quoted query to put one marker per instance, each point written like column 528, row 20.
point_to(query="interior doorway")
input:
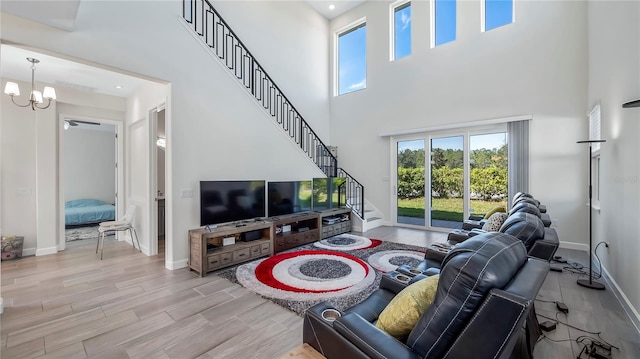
column 89, row 153
column 158, row 187
column 161, row 145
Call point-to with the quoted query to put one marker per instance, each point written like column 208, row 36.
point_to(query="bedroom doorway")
column 89, row 154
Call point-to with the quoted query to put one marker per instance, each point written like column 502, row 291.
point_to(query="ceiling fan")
column 69, row 123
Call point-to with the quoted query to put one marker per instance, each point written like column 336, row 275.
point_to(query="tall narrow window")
column 352, row 59
column 444, row 21
column 401, row 30
column 497, row 13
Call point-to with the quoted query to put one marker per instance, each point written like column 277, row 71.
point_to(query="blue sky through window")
column 352, row 60
column 445, row 21
column 402, row 31
column 497, row 13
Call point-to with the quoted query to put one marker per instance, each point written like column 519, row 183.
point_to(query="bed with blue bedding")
column 88, row 211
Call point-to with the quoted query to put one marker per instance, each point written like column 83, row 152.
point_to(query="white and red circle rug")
column 347, row 242
column 307, row 275
column 342, row 270
column 387, row 261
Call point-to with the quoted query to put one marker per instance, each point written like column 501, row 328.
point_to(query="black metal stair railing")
column 355, row 193
column 226, row 45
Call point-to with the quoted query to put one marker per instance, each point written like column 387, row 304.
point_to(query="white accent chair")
column 123, row 224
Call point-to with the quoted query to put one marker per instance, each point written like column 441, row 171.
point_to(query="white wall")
column 214, row 131
column 18, row 151
column 89, row 164
column 614, row 78
column 535, row 66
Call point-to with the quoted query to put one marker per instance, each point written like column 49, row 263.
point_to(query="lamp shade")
column 36, row 96
column 49, row 93
column 12, row 89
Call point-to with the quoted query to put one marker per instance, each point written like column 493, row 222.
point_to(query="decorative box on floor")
column 12, row 247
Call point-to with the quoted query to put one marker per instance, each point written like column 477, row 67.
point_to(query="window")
column 497, row 13
column 401, row 20
column 443, row 22
column 352, row 59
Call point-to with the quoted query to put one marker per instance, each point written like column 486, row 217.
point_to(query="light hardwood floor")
column 72, row 305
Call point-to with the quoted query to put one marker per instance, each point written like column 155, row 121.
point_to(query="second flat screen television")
column 288, row 197
column 229, row 201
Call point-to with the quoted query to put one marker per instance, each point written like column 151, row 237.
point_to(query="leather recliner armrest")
column 320, row 334
column 371, row 340
column 484, row 333
column 469, row 225
column 475, row 232
column 457, row 236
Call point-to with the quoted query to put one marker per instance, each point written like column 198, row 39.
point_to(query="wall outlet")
column 186, row 193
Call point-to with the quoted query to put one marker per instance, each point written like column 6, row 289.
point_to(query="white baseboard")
column 177, row 264
column 633, row 314
column 624, row 301
column 28, row 252
column 45, row 251
column 573, row 245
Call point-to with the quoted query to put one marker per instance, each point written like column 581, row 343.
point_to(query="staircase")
column 223, row 42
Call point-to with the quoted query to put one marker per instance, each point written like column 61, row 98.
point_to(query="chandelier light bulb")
column 35, row 97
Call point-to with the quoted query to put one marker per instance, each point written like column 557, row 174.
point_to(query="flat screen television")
column 329, row 192
column 288, row 197
column 230, row 201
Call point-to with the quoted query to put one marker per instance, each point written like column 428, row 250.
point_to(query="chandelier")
column 36, row 97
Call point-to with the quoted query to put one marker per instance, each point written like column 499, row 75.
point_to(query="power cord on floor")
column 577, row 268
column 590, row 345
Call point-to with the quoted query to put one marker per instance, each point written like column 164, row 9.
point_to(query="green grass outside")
column 448, row 209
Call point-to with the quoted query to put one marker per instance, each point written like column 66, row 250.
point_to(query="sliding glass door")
column 488, row 164
column 465, row 173
column 447, row 182
column 410, row 181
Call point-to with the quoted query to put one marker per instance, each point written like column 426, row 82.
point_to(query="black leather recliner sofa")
column 485, row 293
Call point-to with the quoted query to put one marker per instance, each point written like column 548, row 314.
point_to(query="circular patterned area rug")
column 307, row 275
column 387, row 261
column 347, row 242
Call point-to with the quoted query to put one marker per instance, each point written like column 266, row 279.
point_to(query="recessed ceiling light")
column 118, row 86
column 331, row 7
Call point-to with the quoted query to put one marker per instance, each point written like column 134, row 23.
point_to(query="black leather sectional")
column 483, row 300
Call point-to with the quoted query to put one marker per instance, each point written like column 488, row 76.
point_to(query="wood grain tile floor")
column 72, row 305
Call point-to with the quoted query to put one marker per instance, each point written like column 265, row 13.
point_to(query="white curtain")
column 518, row 132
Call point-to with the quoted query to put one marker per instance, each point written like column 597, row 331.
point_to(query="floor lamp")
column 590, row 283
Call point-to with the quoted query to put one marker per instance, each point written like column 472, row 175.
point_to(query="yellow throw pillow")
column 406, row 308
column 495, row 210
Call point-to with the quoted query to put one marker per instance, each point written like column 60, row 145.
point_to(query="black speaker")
column 251, row 235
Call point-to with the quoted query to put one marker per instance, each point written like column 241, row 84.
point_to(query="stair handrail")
column 304, row 136
column 273, row 101
column 355, row 193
